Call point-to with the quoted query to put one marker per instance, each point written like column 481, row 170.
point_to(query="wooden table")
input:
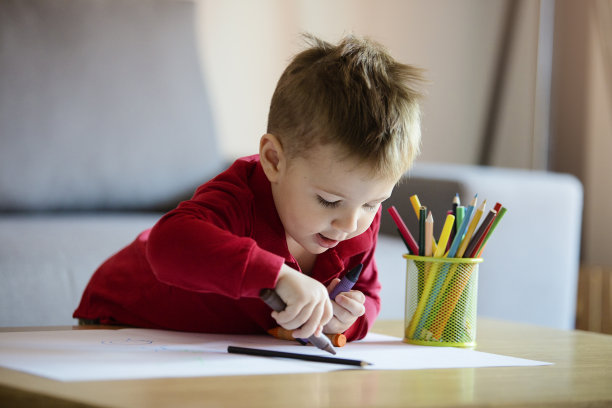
column 581, row 376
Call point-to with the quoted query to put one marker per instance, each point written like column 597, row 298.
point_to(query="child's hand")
column 308, row 305
column 347, row 307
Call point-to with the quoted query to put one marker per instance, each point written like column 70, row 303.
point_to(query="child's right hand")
column 308, row 305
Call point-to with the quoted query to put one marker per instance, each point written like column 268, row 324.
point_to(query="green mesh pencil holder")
column 441, row 295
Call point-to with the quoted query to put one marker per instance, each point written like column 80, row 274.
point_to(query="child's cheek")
column 364, row 224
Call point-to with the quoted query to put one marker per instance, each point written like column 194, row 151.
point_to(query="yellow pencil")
column 450, row 300
column 416, row 206
column 446, row 230
column 437, row 331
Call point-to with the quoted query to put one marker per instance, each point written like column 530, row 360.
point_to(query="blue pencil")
column 431, row 301
column 461, row 232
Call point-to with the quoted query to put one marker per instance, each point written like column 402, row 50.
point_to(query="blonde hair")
column 354, row 95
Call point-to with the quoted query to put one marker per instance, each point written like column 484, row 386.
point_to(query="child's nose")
column 347, row 221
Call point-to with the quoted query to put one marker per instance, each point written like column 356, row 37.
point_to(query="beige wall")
column 246, row 44
column 582, row 117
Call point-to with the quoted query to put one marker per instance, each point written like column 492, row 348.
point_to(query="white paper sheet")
column 87, row 355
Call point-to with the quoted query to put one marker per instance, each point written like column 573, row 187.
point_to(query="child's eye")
column 370, row 207
column 327, row 204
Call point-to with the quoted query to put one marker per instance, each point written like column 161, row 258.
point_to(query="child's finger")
column 341, row 314
column 356, row 295
column 332, row 285
column 294, row 315
column 328, row 314
column 348, row 308
column 314, row 321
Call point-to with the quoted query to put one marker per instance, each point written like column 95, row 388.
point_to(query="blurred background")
column 552, row 94
column 514, row 83
column 103, row 110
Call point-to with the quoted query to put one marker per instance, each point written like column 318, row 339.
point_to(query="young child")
column 343, row 126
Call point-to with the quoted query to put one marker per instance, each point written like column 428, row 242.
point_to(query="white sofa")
column 105, row 123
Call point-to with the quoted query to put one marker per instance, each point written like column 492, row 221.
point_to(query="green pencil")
column 496, row 221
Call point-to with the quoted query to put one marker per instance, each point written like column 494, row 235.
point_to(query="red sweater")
column 201, row 267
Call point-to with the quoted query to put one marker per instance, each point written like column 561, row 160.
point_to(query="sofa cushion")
column 102, row 105
column 47, row 260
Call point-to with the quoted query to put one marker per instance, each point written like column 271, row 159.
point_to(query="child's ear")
column 271, row 156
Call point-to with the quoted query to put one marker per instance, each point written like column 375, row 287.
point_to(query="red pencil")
column 478, row 237
column 478, row 247
column 408, row 238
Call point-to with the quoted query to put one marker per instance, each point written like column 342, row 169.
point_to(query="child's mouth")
column 326, row 242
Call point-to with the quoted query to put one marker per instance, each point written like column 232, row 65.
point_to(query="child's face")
column 323, row 201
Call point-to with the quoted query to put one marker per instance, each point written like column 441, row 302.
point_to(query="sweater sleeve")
column 369, row 285
column 204, row 244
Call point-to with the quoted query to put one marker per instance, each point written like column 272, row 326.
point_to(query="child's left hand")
column 348, row 306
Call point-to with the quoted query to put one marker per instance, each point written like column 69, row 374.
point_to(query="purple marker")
column 347, row 282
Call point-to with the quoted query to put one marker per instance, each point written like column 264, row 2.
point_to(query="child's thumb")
column 332, row 285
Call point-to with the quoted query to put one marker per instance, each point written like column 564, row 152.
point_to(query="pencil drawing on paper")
column 127, row 342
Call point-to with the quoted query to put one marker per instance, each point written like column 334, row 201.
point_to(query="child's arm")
column 206, row 245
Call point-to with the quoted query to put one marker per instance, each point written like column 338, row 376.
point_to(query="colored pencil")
column 496, row 221
column 296, row 356
column 446, row 229
column 480, row 246
column 409, row 239
column 450, row 302
column 416, row 205
column 455, row 203
column 479, row 235
column 461, row 231
column 422, row 219
column 448, row 271
column 468, row 235
column 417, row 322
column 458, row 220
column 429, row 221
column 403, row 239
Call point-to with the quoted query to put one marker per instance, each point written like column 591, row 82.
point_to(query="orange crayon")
column 337, row 339
column 281, row 333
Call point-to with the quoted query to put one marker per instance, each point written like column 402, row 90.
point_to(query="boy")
column 344, row 125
